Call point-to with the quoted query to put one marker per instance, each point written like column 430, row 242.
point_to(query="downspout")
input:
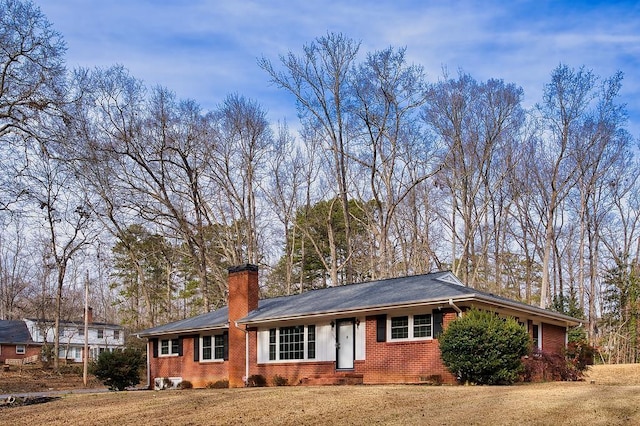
column 246, row 352
column 148, row 367
column 453, row 305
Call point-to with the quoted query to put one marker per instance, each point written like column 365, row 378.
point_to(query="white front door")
column 345, row 347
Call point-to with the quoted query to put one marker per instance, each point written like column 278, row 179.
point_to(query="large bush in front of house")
column 119, row 369
column 482, row 348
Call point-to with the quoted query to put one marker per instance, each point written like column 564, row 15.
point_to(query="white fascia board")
column 182, row 331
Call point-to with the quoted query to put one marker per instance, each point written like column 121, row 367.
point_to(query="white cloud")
column 205, row 49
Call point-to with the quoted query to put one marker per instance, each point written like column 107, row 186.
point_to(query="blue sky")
column 206, row 49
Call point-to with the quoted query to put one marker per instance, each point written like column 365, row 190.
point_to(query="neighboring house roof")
column 208, row 321
column 14, row 332
column 77, row 323
column 439, row 288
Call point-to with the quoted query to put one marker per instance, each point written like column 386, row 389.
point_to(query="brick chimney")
column 243, row 298
column 90, row 315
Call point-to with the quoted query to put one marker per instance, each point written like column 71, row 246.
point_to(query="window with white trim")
column 535, row 335
column 20, row 350
column 411, row 327
column 169, row 347
column 292, row 343
column 213, row 348
column 100, row 333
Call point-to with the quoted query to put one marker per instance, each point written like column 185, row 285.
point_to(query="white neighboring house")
column 102, row 337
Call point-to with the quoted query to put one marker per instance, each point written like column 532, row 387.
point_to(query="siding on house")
column 101, row 337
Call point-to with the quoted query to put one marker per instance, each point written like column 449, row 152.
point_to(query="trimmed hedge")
column 482, row 348
column 119, row 369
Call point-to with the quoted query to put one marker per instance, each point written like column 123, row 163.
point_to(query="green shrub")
column 256, row 381
column 279, row 380
column 119, row 369
column 482, row 348
column 220, row 384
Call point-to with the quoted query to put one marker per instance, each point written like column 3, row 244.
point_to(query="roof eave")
column 530, row 310
column 183, row 331
column 346, row 313
column 557, row 316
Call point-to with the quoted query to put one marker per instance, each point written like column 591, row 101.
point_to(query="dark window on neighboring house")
column 100, row 333
column 116, row 334
column 20, row 350
column 400, row 327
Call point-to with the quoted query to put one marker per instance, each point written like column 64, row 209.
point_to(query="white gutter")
column 453, row 305
column 148, row 366
column 521, row 307
column 181, row 331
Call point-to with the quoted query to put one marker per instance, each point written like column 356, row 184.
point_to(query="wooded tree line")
column 386, row 174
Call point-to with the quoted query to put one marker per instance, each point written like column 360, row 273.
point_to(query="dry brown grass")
column 613, row 398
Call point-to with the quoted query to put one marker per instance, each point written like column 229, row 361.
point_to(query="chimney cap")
column 245, row 267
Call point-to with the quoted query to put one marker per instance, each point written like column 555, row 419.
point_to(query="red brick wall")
column 9, row 352
column 294, row 372
column 198, row 373
column 402, row 362
column 553, row 338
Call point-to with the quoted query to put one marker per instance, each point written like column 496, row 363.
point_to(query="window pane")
column 174, row 346
column 272, row 344
column 292, row 342
column 219, row 346
column 206, row 347
column 422, row 325
column 311, row 342
column 400, row 327
column 164, row 347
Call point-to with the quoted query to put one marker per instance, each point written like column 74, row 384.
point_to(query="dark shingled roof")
column 14, row 332
column 433, row 288
column 210, row 320
column 355, row 297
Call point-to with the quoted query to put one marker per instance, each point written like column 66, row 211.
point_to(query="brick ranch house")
column 375, row 332
column 16, row 344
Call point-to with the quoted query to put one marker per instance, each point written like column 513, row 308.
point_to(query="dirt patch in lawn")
column 599, row 400
column 37, row 379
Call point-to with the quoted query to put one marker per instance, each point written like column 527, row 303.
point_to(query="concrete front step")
column 333, row 379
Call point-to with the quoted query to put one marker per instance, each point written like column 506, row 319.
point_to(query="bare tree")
column 319, row 81
column 392, row 148
column 15, row 274
column 31, row 66
column 284, row 192
column 237, row 160
column 565, row 100
column 477, row 123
